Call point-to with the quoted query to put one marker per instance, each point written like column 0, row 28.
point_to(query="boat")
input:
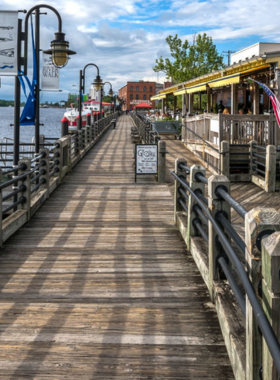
column 72, row 114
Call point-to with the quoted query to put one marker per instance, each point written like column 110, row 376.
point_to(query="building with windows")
column 134, row 93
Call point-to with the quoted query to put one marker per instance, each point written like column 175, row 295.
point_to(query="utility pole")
column 228, row 53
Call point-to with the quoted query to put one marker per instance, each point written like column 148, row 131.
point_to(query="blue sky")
column 124, row 38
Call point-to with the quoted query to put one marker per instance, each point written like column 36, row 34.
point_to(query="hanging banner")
column 8, row 42
column 50, row 75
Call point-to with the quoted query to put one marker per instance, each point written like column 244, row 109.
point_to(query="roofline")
column 261, row 59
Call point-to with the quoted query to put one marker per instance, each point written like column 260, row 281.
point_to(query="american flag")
column 275, row 102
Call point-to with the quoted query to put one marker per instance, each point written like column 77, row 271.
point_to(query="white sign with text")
column 8, row 42
column 146, row 159
column 50, row 75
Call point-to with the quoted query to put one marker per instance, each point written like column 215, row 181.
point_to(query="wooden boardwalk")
column 98, row 285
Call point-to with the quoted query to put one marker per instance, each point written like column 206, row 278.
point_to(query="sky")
column 124, row 38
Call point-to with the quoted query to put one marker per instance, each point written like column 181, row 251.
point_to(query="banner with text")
column 8, row 42
column 50, row 75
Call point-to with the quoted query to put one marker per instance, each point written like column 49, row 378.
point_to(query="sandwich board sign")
column 146, row 159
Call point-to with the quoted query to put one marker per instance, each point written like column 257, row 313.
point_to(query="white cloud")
column 124, row 38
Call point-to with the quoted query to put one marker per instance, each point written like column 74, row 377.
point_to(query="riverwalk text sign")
column 146, row 159
column 50, row 75
column 8, row 42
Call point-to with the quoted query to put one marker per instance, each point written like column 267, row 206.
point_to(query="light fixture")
column 271, row 84
column 97, row 83
column 251, row 87
column 111, row 92
column 59, row 50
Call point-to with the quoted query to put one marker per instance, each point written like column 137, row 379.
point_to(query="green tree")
column 190, row 61
column 107, row 99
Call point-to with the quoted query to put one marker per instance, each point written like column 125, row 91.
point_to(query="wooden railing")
column 34, row 180
column 226, row 145
column 242, row 275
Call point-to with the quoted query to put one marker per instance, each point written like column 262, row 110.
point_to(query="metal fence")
column 229, row 255
column 34, row 179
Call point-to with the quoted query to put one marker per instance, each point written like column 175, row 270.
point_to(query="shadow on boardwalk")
column 98, row 285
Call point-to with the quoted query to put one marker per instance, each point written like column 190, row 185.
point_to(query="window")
column 131, row 96
column 145, row 97
column 137, row 88
column 131, row 88
column 145, row 88
column 151, row 89
column 137, row 97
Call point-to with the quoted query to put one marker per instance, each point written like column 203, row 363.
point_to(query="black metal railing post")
column 216, row 205
column 198, row 187
column 180, row 173
column 25, row 186
column 44, row 167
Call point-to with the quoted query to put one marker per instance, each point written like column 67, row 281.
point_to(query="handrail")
column 267, row 331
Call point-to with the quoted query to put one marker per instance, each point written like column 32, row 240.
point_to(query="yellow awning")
column 197, row 88
column 159, row 96
column 180, row 92
column 224, row 81
column 256, row 69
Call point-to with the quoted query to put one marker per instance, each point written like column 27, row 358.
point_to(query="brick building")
column 137, row 92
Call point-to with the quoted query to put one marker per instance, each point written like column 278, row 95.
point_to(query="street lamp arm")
column 84, row 74
column 43, row 6
column 90, row 64
column 36, row 8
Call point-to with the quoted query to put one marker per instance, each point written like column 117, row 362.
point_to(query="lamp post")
column 60, row 55
column 110, row 91
column 97, row 83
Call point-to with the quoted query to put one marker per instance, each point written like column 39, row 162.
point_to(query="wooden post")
column 271, row 297
column 221, row 130
column 270, row 169
column 174, row 105
column 26, row 184
column 161, row 161
column 257, row 222
column 184, row 104
column 194, row 185
column 215, row 205
column 45, row 178
column 190, row 103
column 208, row 106
column 270, row 130
column 225, row 158
column 234, row 99
column 252, row 149
column 256, row 99
column 179, row 172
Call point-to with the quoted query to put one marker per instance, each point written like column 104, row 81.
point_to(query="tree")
column 190, row 61
column 107, row 99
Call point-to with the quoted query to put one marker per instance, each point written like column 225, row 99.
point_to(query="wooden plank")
column 99, row 284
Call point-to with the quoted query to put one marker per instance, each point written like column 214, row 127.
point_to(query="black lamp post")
column 60, row 55
column 97, row 83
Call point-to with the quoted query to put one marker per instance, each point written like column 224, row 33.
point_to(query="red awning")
column 143, row 105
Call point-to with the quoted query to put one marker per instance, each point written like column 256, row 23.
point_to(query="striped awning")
column 159, row 96
column 197, row 88
column 180, row 92
column 224, row 81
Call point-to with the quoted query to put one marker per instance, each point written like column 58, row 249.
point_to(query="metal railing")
column 210, row 219
column 42, row 173
column 143, row 131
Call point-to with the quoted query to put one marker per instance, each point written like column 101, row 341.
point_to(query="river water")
column 50, row 117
